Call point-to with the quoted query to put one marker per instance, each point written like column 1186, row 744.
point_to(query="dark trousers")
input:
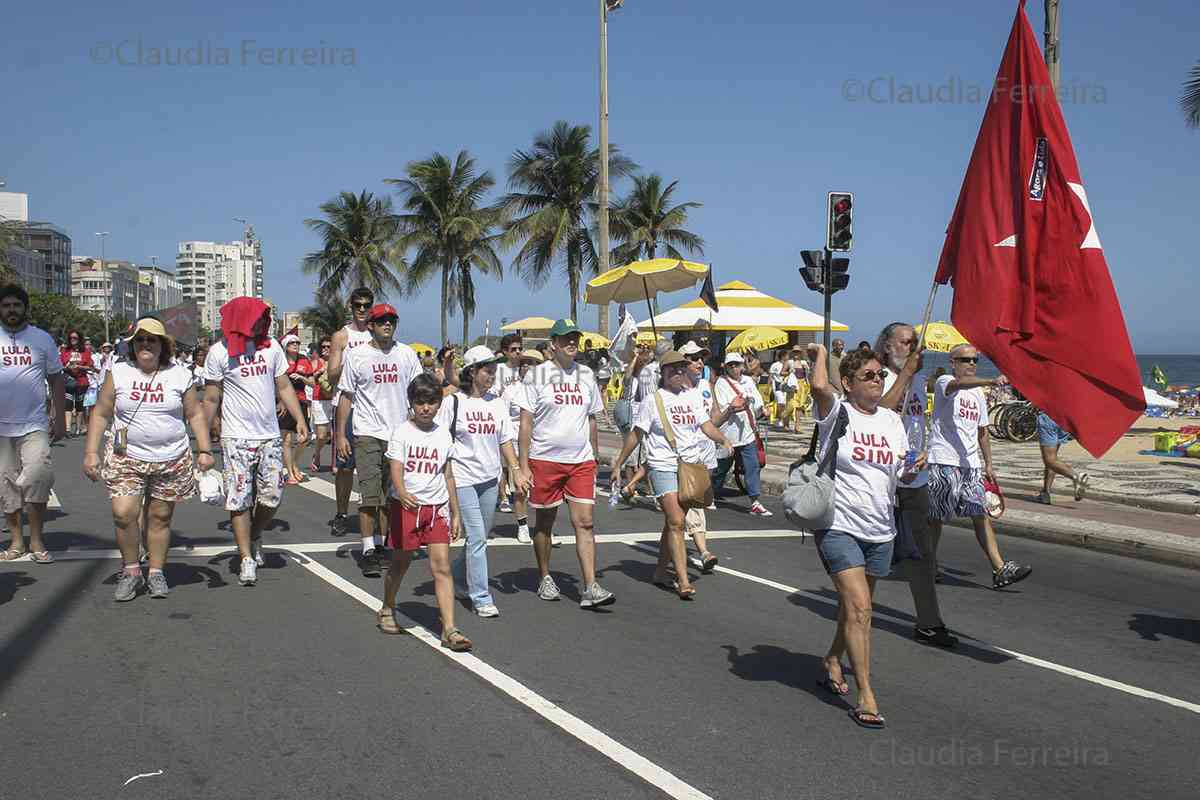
column 914, row 507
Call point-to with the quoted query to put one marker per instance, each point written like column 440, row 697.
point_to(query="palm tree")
column 554, row 185
column 326, row 315
column 645, row 218
column 358, row 233
column 1191, row 97
column 442, row 214
column 475, row 252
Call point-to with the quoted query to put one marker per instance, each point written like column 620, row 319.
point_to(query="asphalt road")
column 1080, row 682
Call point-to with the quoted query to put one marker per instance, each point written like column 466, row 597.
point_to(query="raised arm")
column 818, row 381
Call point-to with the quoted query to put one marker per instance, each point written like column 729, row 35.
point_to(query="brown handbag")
column 695, row 487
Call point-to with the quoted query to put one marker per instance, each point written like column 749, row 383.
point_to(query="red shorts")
column 409, row 529
column 552, row 482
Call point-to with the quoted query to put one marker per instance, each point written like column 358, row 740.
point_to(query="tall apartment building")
column 112, row 288
column 28, row 267
column 55, row 247
column 212, row 274
column 162, row 287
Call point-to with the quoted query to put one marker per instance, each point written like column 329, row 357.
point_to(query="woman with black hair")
column 77, row 366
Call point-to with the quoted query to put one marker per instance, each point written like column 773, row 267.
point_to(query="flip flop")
column 867, row 719
column 834, row 687
column 41, row 557
column 11, row 555
column 685, row 594
column 709, row 563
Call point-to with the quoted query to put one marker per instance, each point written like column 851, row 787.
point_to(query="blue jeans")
column 748, row 453
column 477, row 504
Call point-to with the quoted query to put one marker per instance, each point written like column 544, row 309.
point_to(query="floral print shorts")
column 170, row 481
column 253, row 473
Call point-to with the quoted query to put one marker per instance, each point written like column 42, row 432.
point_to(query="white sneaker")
column 759, row 510
column 595, row 596
column 249, row 574
column 523, row 535
column 487, row 611
column 256, row 551
column 548, row 589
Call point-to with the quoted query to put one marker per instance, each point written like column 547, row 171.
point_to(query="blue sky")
column 741, row 102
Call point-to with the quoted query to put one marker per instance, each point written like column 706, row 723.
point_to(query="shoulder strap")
column 666, row 423
column 454, row 420
column 748, row 410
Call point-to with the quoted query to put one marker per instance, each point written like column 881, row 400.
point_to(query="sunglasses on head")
column 967, row 359
column 870, row 375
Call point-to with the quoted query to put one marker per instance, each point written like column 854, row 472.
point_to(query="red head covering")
column 238, row 318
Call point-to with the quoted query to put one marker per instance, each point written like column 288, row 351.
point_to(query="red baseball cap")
column 382, row 310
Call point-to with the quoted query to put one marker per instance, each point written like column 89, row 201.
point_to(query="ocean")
column 1180, row 370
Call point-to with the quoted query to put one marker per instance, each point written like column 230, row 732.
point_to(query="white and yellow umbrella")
column 643, row 280
column 941, row 337
column 758, row 338
column 530, row 325
column 594, row 339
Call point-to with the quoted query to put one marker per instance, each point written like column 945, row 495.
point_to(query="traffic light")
column 839, row 277
column 813, row 270
column 841, row 228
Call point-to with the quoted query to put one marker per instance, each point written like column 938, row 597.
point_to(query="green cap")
column 564, row 326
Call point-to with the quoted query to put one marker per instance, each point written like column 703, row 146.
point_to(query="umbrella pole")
column 649, row 308
column 928, row 313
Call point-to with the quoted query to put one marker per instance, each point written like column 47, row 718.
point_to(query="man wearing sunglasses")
column 508, row 374
column 960, row 457
column 375, row 380
column 354, row 335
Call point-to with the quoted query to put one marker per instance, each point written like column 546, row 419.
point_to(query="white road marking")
column 326, row 489
column 604, row 744
column 982, row 645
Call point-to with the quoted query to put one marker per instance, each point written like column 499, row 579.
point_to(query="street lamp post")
column 104, row 276
column 605, row 6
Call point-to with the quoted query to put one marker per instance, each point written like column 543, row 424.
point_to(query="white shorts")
column 322, row 412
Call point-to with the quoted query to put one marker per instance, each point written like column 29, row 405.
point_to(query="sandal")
column 385, row 620
column 454, row 640
column 838, row 688
column 11, row 555
column 708, row 562
column 685, row 594
column 41, row 557
column 867, row 719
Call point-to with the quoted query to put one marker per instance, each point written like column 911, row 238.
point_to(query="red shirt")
column 77, row 363
column 300, row 367
column 318, row 364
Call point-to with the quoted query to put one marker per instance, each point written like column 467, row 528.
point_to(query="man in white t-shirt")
column 246, row 377
column 28, row 363
column 741, row 429
column 780, row 369
column 904, row 393
column 508, row 374
column 960, row 457
column 375, row 381
column 558, row 450
column 352, row 336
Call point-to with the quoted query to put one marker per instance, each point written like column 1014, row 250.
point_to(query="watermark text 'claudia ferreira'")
column 248, row 53
column 890, row 90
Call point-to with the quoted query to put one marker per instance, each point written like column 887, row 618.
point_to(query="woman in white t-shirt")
column 147, row 462
column 685, row 413
column 483, row 435
column 857, row 549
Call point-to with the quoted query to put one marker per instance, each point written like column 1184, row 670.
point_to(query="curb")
column 1187, row 508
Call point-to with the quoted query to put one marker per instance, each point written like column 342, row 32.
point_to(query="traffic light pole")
column 828, row 282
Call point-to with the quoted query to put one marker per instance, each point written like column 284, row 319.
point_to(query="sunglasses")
column 870, row 375
column 361, row 306
column 145, row 340
column 385, row 321
column 516, row 348
column 695, row 357
column 967, row 360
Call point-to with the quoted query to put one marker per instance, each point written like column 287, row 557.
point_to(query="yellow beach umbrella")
column 646, row 337
column 942, row 337
column 530, row 325
column 644, row 280
column 423, row 349
column 760, row 338
column 594, row 339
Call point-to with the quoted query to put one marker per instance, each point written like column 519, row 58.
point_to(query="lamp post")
column 605, row 7
column 104, row 276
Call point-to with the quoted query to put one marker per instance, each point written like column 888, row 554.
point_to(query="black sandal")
column 707, row 565
column 834, row 687
column 872, row 720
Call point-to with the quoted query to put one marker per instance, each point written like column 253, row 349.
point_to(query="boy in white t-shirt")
column 423, row 508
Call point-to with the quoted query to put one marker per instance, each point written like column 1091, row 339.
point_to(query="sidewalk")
column 1113, row 519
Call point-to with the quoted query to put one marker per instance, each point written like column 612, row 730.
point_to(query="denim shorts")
column 840, row 551
column 1049, row 433
column 664, row 481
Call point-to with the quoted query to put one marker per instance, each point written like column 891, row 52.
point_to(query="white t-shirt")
column 247, row 390
column 379, row 382
column 954, row 432
column 354, row 339
column 506, row 378
column 739, row 429
column 870, row 457
column 27, row 358
column 424, row 454
column 562, row 403
column 686, row 415
column 912, row 413
column 151, row 408
column 779, row 371
column 483, row 425
column 703, row 396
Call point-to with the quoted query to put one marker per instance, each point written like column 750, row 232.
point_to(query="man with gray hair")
column 960, row 457
column 904, row 393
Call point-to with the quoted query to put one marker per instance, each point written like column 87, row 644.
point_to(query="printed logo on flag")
column 1037, row 177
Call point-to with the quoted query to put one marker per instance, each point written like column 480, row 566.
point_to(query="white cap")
column 480, row 354
column 734, row 357
column 291, row 337
column 691, row 349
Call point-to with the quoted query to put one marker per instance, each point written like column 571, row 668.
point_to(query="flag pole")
column 928, row 313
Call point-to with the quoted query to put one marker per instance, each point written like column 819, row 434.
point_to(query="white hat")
column 291, row 337
column 691, row 349
column 480, row 354
column 734, row 358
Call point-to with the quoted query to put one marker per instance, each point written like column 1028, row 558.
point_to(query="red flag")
column 1031, row 287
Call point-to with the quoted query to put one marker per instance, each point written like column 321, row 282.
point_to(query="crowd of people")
column 435, row 448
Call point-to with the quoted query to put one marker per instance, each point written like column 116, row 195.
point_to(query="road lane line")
column 326, row 489
column 1099, row 680
column 604, row 744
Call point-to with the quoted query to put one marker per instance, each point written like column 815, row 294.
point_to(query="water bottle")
column 614, row 493
column 910, row 460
